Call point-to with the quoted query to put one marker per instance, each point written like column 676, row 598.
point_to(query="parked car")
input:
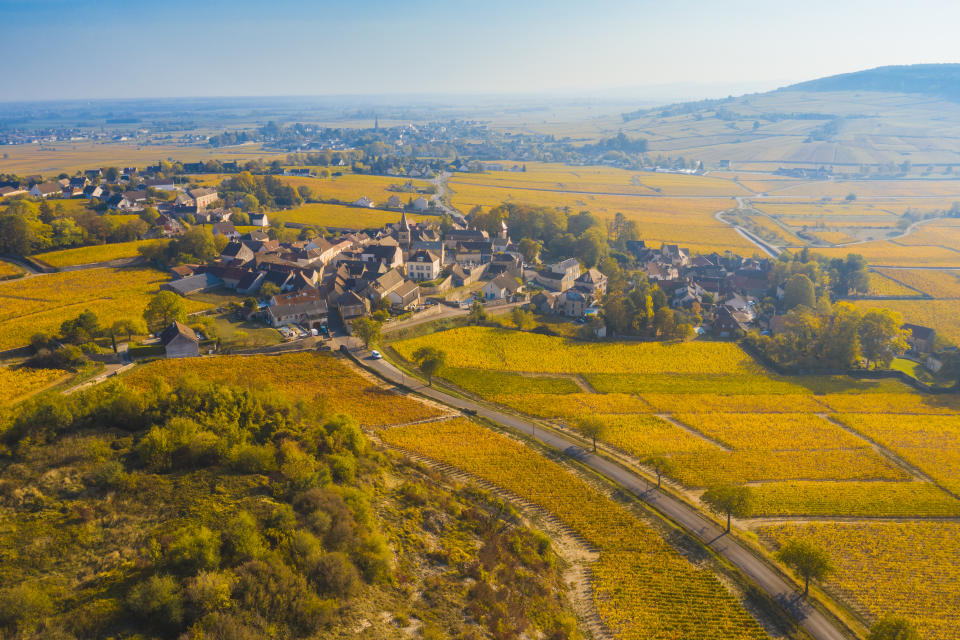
column 375, row 355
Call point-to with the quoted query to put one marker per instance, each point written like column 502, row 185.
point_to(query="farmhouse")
column 365, row 202
column 919, row 338
column 306, row 307
column 502, row 287
column 423, row 265
column 203, row 198
column 46, row 190
column 179, row 341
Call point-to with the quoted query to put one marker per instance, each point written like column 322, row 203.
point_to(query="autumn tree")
column 522, row 318
column 807, row 559
column 660, row 465
column 893, row 628
column 429, row 360
column 477, row 315
column 798, row 291
column 164, row 308
column 368, row 330
column 881, row 336
column 592, row 428
column 728, row 500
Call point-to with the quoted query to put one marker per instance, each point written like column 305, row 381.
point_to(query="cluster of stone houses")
column 354, row 273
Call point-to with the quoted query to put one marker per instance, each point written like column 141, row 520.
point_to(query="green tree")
column 16, row 236
column 660, row 465
column 522, row 318
column 530, row 250
column 268, row 290
column 808, row 560
column 798, row 291
column 729, row 500
column 477, row 315
column 893, row 628
column 429, row 360
column 164, row 308
column 664, row 323
column 881, row 336
column 83, row 328
column 593, row 428
column 368, row 330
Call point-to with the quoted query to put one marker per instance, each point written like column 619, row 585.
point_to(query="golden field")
column 19, row 384
column 905, row 568
column 602, row 180
column 942, row 315
column 8, row 269
column 322, row 380
column 69, row 157
column 505, row 350
column 95, row 253
column 339, row 216
column 42, row 303
column 643, row 587
column 936, row 284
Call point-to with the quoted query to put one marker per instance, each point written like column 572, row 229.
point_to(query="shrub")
column 253, row 458
column 241, row 538
column 158, row 600
column 336, row 576
column 223, row 626
column 23, row 607
column 194, row 549
column 271, row 590
column 373, row 558
column 304, row 550
column 210, row 591
column 343, row 467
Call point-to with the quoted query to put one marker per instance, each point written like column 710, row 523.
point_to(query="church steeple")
column 403, row 231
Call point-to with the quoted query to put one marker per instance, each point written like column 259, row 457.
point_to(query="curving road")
column 818, row 625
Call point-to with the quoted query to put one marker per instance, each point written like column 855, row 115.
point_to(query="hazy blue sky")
column 113, row 48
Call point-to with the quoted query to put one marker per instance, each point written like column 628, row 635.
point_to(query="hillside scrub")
column 207, row 510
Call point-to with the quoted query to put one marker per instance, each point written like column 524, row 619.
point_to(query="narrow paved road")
column 816, row 623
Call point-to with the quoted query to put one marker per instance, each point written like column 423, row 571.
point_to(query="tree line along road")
column 816, row 623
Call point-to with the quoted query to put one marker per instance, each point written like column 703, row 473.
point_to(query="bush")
column 23, row 607
column 210, row 591
column 158, row 600
column 241, row 538
column 253, row 458
column 223, row 626
column 195, row 549
column 336, row 576
column 269, row 588
column 343, row 467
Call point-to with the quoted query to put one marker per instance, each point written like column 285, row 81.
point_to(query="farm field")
column 42, row 303
column 339, row 216
column 505, row 350
column 882, row 283
column 21, row 383
column 643, row 587
column 934, row 233
column 51, row 159
column 832, row 237
column 9, row 270
column 852, row 498
column 875, row 188
column 885, row 253
column 936, row 284
column 942, row 315
column 810, row 447
column 346, row 188
column 685, row 221
column 94, row 253
column 322, row 380
column 603, row 180
column 931, row 443
column 905, row 568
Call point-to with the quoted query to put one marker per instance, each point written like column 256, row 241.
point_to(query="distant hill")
column 940, row 80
